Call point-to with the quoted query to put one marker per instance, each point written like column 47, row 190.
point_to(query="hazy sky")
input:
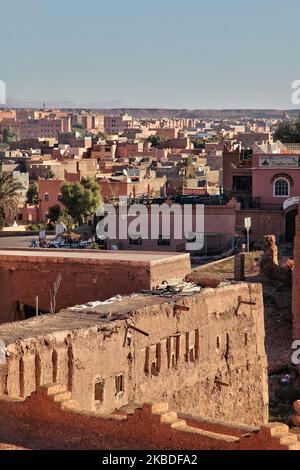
column 155, row 53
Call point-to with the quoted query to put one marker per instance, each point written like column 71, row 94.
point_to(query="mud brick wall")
column 144, row 430
column 22, row 278
column 204, row 355
column 296, row 283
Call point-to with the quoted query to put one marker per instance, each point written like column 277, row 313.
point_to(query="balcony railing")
column 246, row 202
column 244, row 164
column 255, row 203
column 271, row 207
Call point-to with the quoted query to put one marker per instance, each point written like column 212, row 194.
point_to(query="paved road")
column 24, row 242
column 18, row 242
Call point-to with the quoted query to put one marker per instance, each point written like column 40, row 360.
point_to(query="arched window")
column 281, row 187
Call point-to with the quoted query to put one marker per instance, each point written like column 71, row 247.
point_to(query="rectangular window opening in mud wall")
column 119, row 383
column 99, row 390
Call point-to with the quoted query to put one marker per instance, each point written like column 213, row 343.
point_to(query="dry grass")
column 225, row 268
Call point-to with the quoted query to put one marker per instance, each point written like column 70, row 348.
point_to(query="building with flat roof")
column 201, row 353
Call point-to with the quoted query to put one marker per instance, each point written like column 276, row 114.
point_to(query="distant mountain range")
column 13, row 103
column 117, row 107
column 216, row 114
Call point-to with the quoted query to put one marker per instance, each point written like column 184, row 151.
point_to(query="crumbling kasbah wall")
column 86, row 276
column 271, row 267
column 203, row 354
column 296, row 283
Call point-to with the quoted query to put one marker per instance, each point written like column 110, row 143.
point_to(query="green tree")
column 156, row 141
column 285, row 133
column 9, row 197
column 199, row 143
column 288, row 132
column 49, row 175
column 214, row 139
column 32, row 195
column 185, row 170
column 102, row 135
column 81, row 200
column 66, row 219
column 78, row 125
column 8, row 136
column 55, row 212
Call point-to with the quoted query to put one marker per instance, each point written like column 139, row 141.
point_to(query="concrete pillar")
column 239, row 267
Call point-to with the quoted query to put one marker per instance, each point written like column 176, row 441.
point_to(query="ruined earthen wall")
column 145, row 430
column 204, row 355
column 296, row 283
column 211, row 358
column 270, row 266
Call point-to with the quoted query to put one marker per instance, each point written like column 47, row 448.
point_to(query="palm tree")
column 9, row 197
column 186, row 170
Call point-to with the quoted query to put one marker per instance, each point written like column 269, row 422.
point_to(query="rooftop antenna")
column 44, row 105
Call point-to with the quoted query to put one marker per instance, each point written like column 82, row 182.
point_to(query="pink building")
column 275, row 177
column 219, row 229
column 129, row 149
column 49, row 195
column 104, row 152
column 28, row 214
column 116, row 124
column 276, row 182
column 37, row 128
column 38, row 167
column 168, row 133
column 113, row 188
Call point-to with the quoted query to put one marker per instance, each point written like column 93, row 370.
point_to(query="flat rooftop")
column 88, row 254
column 104, row 314
column 78, row 317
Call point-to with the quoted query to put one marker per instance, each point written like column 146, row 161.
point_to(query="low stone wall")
column 147, row 427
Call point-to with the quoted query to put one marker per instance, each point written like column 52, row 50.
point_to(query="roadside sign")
column 292, row 201
column 248, row 223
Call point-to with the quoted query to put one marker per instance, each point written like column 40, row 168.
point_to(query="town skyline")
column 149, row 229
